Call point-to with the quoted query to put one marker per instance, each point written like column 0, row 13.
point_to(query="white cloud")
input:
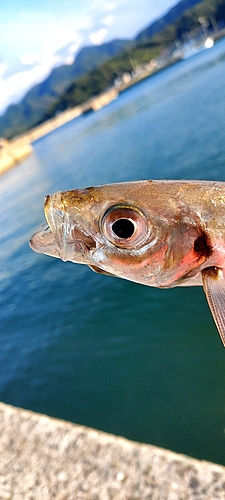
column 98, row 36
column 73, row 48
column 32, row 33
column 3, row 67
column 58, row 37
column 36, row 67
column 108, row 20
column 109, row 6
column 33, row 40
column 101, row 5
column 69, row 60
column 6, row 96
column 15, row 87
column 29, row 59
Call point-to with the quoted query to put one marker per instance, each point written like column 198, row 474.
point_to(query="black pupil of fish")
column 123, row 228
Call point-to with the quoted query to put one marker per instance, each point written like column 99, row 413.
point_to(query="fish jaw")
column 62, row 236
column 43, row 241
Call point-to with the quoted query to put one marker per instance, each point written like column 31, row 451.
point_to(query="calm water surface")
column 144, row 363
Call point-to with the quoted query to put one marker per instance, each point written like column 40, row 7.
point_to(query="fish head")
column 125, row 230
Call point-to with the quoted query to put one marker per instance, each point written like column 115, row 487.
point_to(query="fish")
column 157, row 233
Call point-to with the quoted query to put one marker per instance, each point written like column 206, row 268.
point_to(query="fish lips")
column 63, row 240
column 43, row 241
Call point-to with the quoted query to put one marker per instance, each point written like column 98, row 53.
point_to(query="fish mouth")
column 62, row 236
column 78, row 243
column 43, row 241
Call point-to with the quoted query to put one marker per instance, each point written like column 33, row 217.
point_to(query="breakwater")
column 13, row 152
column 45, row 458
column 93, row 104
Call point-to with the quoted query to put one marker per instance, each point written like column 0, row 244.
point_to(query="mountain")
column 19, row 117
column 169, row 18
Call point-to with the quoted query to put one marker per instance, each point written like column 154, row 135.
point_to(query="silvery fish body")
column 158, row 233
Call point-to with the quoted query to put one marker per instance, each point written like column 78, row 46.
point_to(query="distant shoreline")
column 14, row 151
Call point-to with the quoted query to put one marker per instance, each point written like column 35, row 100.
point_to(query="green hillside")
column 169, row 18
column 23, row 116
column 100, row 79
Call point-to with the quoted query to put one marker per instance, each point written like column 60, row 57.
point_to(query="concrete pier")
column 13, row 152
column 42, row 458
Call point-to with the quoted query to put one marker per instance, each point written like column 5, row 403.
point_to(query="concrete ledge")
column 13, row 152
column 44, row 458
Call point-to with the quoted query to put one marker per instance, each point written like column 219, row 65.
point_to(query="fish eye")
column 124, row 226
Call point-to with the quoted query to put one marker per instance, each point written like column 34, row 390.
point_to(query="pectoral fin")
column 214, row 287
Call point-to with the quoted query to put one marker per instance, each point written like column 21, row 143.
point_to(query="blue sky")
column 37, row 35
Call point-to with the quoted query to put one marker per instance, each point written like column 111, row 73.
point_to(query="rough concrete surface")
column 44, row 458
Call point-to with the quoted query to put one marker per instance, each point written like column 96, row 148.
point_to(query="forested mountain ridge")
column 170, row 17
column 20, row 117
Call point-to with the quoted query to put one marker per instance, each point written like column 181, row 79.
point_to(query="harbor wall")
column 43, row 458
column 13, row 152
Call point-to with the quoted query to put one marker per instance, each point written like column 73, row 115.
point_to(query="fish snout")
column 73, row 241
column 43, row 241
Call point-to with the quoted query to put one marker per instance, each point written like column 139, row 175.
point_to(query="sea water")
column 144, row 363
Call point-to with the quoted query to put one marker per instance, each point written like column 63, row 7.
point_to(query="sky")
column 38, row 35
